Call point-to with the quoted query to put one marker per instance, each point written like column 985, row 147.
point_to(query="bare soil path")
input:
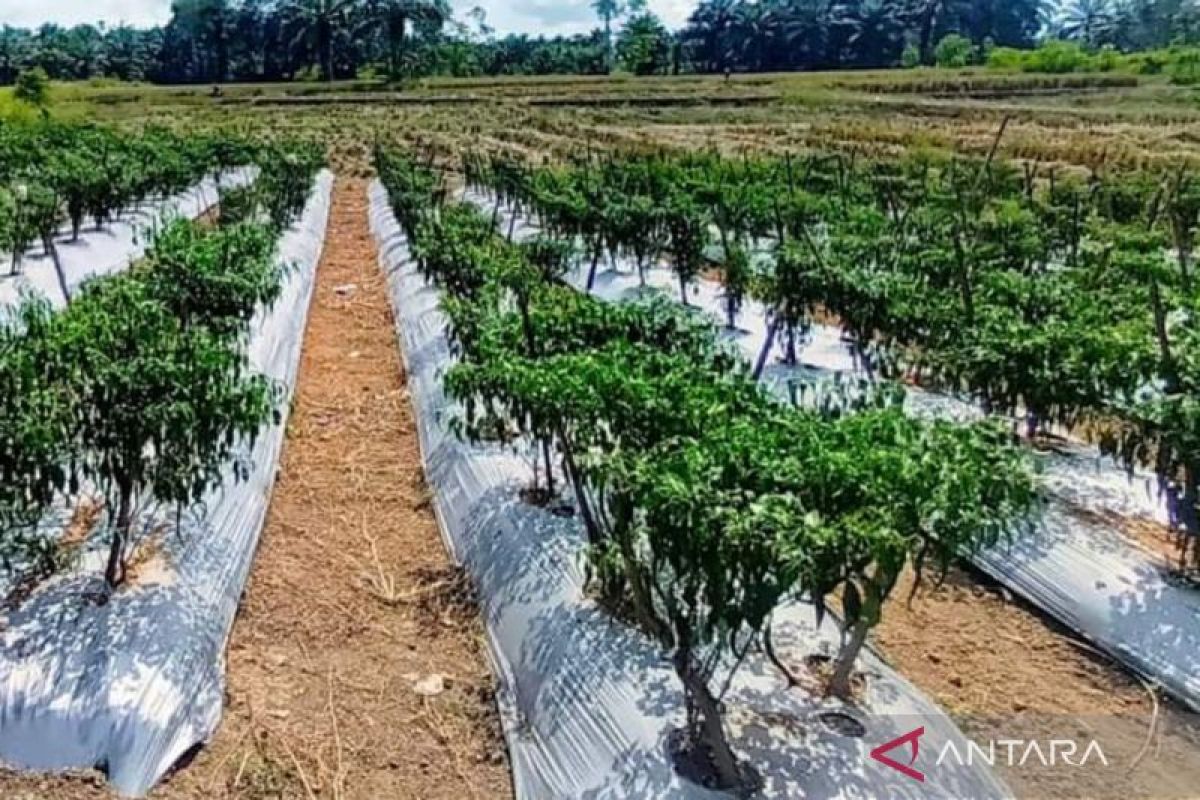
column 357, row 668
column 1004, row 670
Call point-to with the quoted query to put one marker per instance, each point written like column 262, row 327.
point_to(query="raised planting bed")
column 131, row 681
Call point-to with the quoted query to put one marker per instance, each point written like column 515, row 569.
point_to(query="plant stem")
column 843, row 668
column 704, row 710
column 114, row 573
column 765, row 353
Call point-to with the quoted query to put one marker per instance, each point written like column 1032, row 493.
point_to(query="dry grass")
column 1058, row 121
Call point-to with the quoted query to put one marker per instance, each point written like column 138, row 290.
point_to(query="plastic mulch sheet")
column 589, row 704
column 1082, row 572
column 132, row 685
column 111, row 248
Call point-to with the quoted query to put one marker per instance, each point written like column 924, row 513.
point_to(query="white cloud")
column 31, row 14
column 551, row 17
column 534, row 17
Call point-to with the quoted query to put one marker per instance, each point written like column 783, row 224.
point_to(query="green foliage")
column 411, row 188
column 34, row 419
column 778, row 35
column 707, row 503
column 236, row 205
column 25, row 206
column 954, row 52
column 304, row 40
column 123, row 390
column 1062, row 57
column 1060, row 302
column 1108, row 59
column 1009, row 59
column 50, row 170
column 286, row 172
column 33, row 87
column 161, row 406
column 1056, row 56
column 217, row 42
column 1089, row 22
column 644, row 46
column 141, row 386
column 1184, row 68
column 217, row 279
column 687, row 238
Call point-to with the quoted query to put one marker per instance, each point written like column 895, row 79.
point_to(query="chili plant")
column 161, row 407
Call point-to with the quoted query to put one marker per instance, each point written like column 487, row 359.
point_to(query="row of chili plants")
column 52, row 173
column 708, row 505
column 141, row 387
column 1066, row 299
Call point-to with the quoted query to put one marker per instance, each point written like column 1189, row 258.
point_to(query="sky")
column 506, row 16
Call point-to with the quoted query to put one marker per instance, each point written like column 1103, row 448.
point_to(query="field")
column 1081, row 121
column 368, row 676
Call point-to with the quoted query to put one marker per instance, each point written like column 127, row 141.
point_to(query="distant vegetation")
column 216, row 41
column 1181, row 63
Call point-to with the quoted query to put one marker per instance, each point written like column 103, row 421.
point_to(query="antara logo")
column 913, row 740
column 1013, row 752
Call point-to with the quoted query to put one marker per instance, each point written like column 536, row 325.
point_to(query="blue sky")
column 527, row 16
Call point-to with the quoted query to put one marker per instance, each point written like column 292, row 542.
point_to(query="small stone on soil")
column 430, row 686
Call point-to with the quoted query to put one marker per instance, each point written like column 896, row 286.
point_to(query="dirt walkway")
column 357, row 668
column 1003, row 670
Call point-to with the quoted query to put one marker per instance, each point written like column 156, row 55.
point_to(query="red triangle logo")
column 913, row 740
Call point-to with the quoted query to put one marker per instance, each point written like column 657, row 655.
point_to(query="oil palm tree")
column 879, row 37
column 709, row 33
column 933, row 18
column 319, row 21
column 754, row 26
column 1091, row 22
column 397, row 15
column 608, row 10
column 803, row 34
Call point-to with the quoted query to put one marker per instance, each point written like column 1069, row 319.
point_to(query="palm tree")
column 1009, row 23
column 933, row 17
column 16, row 46
column 1091, row 22
column 396, row 16
column 608, row 10
column 318, row 21
column 753, row 32
column 708, row 33
column 207, row 23
column 879, row 34
column 803, row 34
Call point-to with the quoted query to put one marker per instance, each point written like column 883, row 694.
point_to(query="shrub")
column 33, row 87
column 1006, row 58
column 237, row 205
column 1181, row 63
column 699, row 531
column 1107, row 59
column 954, row 51
column 1185, row 69
column 35, row 422
column 32, row 213
column 1056, row 56
column 911, row 57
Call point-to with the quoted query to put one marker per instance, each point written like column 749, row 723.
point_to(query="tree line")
column 215, row 41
